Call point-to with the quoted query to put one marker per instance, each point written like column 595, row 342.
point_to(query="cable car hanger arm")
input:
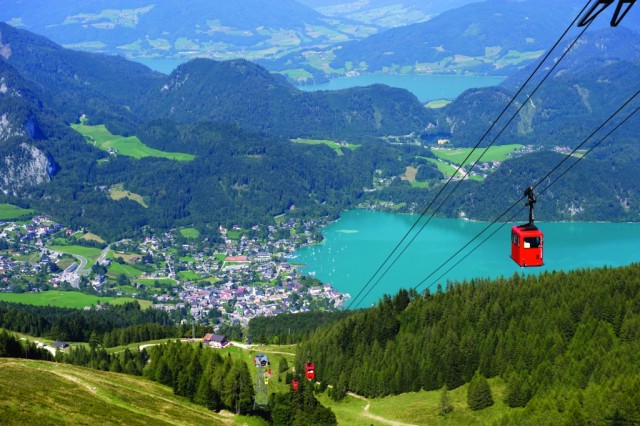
column 601, row 5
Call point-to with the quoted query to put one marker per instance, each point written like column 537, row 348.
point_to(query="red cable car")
column 294, row 384
column 527, row 240
column 309, row 371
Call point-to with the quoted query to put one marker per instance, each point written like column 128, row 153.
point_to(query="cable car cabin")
column 526, row 245
column 310, row 371
column 294, row 384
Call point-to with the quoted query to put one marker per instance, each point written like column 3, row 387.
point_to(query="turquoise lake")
column 357, row 244
column 426, row 87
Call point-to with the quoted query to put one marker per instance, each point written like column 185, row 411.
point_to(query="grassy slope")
column 130, row 146
column 418, row 408
column 11, row 212
column 38, row 392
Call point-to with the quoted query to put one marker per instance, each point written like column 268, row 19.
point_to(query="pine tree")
column 445, row 405
column 479, row 393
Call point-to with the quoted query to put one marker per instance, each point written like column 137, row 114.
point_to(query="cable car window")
column 515, row 239
column 532, row 242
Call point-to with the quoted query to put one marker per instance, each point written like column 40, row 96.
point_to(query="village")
column 229, row 279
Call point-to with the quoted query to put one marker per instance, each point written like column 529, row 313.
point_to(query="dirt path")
column 368, row 415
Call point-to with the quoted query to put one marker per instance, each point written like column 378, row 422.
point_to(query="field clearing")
column 11, row 212
column 116, row 269
column 92, row 237
column 65, row 299
column 130, row 146
column 410, row 176
column 440, row 103
column 162, row 281
column 188, row 276
column 40, row 392
column 495, row 153
column 331, row 144
column 189, row 233
column 419, row 408
column 117, row 192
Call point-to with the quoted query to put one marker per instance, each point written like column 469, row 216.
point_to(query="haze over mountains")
column 311, row 40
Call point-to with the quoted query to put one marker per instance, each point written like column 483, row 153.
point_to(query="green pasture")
column 164, row 282
column 189, row 232
column 11, row 212
column 331, row 144
column 129, row 271
column 188, row 276
column 65, row 299
column 494, row 153
column 130, row 146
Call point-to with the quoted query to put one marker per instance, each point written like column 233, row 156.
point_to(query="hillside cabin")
column 215, row 340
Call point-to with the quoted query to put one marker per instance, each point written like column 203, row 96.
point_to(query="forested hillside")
column 244, row 93
column 566, row 343
column 591, row 82
column 237, row 177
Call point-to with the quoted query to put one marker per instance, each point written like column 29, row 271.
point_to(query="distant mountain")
column 596, row 77
column 144, row 28
column 496, row 37
column 385, row 13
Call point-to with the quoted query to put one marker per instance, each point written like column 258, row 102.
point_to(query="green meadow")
column 494, row 153
column 331, row 144
column 64, row 299
column 130, row 146
column 189, row 232
column 11, row 212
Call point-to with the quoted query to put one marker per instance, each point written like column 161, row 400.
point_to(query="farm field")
column 130, row 146
column 331, row 144
column 65, row 299
column 11, row 212
column 495, row 153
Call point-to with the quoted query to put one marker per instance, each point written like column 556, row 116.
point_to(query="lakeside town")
column 228, row 278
